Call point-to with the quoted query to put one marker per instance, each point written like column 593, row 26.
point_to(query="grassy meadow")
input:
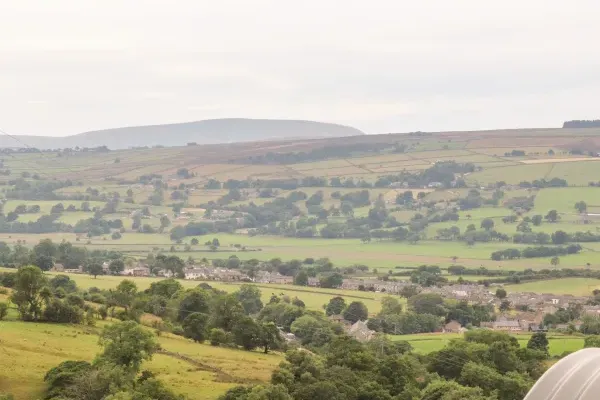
column 574, row 286
column 427, row 343
column 29, row 350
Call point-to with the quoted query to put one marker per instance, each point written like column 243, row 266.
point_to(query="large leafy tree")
column 175, row 265
column 95, row 269
column 301, row 278
column 427, row 303
column 249, row 297
column 356, row 311
column 124, row 294
column 27, row 292
column 44, row 262
column 45, row 247
column 165, row 288
column 195, row 326
column 193, row 301
column 390, row 305
column 247, row 333
column 226, row 311
column 64, row 282
column 116, row 266
column 127, row 344
column 269, row 337
column 538, row 341
column 335, row 306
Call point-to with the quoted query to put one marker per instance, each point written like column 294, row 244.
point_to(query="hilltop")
column 210, row 131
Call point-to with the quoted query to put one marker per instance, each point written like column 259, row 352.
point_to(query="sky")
column 69, row 66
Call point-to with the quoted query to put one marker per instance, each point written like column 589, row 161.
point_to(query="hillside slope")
column 201, row 132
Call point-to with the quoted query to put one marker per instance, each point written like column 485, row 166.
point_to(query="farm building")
column 453, row 327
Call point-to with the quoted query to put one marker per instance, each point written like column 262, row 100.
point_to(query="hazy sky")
column 381, row 66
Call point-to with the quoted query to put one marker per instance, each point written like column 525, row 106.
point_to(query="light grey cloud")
column 68, row 66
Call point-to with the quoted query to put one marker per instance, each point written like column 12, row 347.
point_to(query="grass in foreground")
column 29, row 350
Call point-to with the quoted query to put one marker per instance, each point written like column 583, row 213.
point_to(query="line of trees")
column 533, row 252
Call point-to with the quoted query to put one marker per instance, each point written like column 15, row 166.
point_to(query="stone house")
column 504, row 325
column 78, row 270
column 361, row 332
column 453, row 327
column 314, row 282
column 58, row 268
column 229, row 275
column 591, row 311
column 339, row 319
column 141, row 271
column 138, row 270
column 273, row 277
column 196, row 273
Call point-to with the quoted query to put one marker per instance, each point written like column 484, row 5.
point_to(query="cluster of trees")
column 543, row 183
column 200, row 228
column 515, row 153
column 426, row 313
column 39, row 299
column 442, row 172
column 94, row 226
column 520, row 203
column 201, row 314
column 23, row 189
column 97, row 226
column 564, row 316
column 407, row 198
column 46, row 253
column 485, row 365
column 44, row 224
column 428, row 275
column 532, row 252
column 275, row 218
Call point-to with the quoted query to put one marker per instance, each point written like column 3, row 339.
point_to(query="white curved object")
column 575, row 377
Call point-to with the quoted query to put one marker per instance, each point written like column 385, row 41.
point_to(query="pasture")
column 574, row 286
column 430, row 342
column 117, row 172
column 29, row 350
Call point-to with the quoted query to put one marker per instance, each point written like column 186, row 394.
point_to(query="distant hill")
column 201, row 132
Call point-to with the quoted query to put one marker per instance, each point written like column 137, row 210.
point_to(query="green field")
column 426, row 343
column 510, row 174
column 102, row 172
column 29, row 350
column 563, row 199
column 574, row 286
